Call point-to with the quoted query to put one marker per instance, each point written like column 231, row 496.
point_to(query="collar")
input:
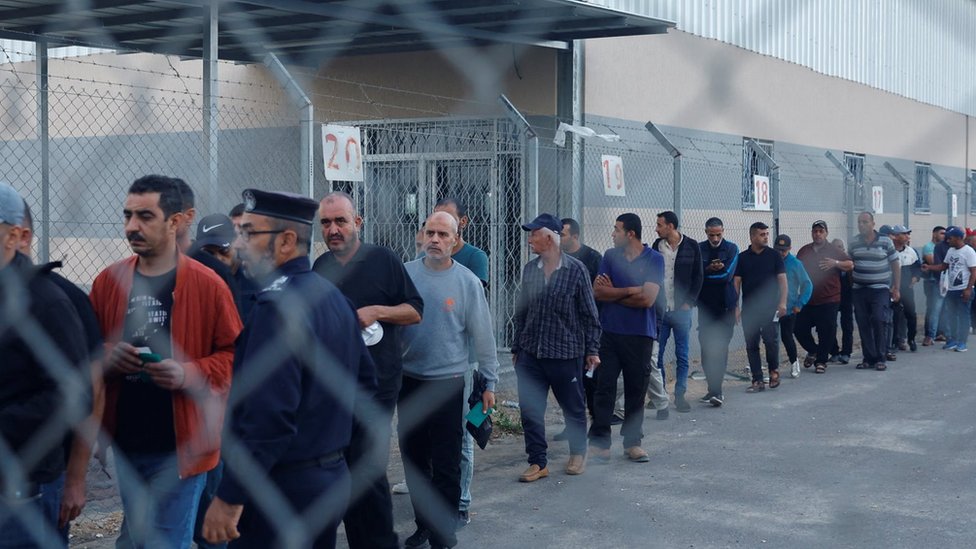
column 539, row 263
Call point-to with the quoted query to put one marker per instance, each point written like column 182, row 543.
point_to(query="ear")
column 463, row 222
column 175, row 220
column 358, row 221
column 190, row 215
column 288, row 241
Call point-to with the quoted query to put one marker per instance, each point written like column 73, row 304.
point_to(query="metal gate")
column 409, row 165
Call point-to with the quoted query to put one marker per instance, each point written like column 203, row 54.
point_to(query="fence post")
column 211, row 124
column 848, row 189
column 532, row 192
column 949, row 193
column 306, row 120
column 44, row 136
column 906, row 190
column 676, row 159
column 773, row 178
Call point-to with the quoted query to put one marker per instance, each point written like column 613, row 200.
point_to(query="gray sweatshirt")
column 455, row 316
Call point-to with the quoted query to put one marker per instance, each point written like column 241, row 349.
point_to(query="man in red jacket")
column 169, row 325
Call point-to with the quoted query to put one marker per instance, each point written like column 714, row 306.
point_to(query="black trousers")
column 429, row 427
column 714, row 335
column 756, row 325
column 872, row 309
column 823, row 317
column 846, row 310
column 906, row 317
column 369, row 519
column 631, row 355
column 786, row 328
column 324, row 485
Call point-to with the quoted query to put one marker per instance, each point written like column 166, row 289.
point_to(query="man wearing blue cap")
column 37, row 403
column 958, row 276
column 905, row 323
column 557, row 329
column 300, row 367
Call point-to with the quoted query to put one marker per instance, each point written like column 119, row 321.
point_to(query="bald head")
column 340, row 223
column 444, row 217
column 440, row 236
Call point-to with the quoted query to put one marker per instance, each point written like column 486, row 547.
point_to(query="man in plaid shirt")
column 557, row 329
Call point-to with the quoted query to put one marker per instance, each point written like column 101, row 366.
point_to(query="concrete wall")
column 682, row 80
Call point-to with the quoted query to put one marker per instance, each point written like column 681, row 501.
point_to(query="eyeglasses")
column 247, row 233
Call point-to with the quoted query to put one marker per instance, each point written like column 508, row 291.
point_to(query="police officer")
column 297, row 367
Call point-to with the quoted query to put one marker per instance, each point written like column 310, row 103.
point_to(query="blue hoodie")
column 798, row 284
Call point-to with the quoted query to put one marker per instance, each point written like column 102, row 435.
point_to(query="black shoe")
column 912, row 346
column 843, row 359
column 418, row 539
column 463, row 519
column 706, row 399
column 716, row 400
column 681, row 405
column 663, row 414
column 560, row 436
column 616, row 420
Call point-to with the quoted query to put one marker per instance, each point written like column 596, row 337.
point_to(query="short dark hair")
column 713, row 222
column 449, row 200
column 574, row 227
column 867, row 213
column 344, row 195
column 670, row 218
column 302, row 230
column 186, row 193
column 170, row 197
column 757, row 226
column 938, row 228
column 237, row 210
column 631, row 222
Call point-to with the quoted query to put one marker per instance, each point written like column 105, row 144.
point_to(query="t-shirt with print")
column 959, row 261
column 145, row 410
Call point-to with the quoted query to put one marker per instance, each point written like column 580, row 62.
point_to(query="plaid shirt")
column 557, row 320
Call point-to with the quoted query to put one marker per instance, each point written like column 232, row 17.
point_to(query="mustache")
column 135, row 237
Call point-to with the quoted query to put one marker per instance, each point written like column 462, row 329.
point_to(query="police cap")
column 290, row 206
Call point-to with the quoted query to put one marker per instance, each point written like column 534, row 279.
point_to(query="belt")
column 327, row 459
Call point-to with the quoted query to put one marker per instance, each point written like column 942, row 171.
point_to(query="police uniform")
column 297, row 366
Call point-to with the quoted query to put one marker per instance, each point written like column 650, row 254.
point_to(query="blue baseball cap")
column 885, row 230
column 11, row 205
column 544, row 221
column 954, row 231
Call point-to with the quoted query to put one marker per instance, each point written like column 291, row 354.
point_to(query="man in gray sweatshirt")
column 435, row 360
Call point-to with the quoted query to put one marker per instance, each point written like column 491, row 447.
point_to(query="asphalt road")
column 850, row 458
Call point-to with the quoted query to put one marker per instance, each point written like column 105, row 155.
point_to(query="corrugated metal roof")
column 305, row 31
column 921, row 50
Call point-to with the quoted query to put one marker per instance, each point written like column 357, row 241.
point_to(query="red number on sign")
column 606, row 171
column 620, row 176
column 331, row 164
column 351, row 142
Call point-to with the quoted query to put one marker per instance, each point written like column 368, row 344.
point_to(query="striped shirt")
column 557, row 318
column 872, row 261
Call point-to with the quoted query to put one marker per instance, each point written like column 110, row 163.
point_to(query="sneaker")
column 706, row 399
column 961, row 348
column 680, row 404
column 949, row 346
column 795, row 369
column 765, row 378
column 636, row 454
column 417, row 539
column 843, row 359
column 463, row 519
column 401, row 488
column 834, row 358
column 927, row 342
column 716, row 400
column 697, row 375
column 663, row 414
column 941, row 337
column 616, row 419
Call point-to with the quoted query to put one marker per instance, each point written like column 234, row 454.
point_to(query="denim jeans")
column 160, row 508
column 678, row 322
column 467, row 448
column 934, row 302
column 33, row 521
column 958, row 317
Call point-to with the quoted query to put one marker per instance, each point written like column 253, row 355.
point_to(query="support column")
column 44, row 137
column 306, row 119
column 211, row 127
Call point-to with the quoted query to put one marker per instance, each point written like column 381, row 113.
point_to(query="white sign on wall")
column 877, row 199
column 760, row 189
column 613, row 175
column 342, row 153
column 955, row 207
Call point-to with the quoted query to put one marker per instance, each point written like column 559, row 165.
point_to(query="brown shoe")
column 534, row 473
column 576, row 465
column 927, row 342
column 636, row 454
column 599, row 455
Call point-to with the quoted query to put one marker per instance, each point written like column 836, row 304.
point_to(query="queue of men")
column 248, row 394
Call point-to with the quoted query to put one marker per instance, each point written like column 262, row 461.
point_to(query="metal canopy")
column 308, row 31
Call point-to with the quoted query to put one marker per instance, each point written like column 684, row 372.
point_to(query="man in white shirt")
column 904, row 311
column 959, row 268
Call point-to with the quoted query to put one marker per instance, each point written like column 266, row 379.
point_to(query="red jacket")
column 204, row 326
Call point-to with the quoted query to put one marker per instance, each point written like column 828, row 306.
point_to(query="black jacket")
column 43, row 390
column 688, row 273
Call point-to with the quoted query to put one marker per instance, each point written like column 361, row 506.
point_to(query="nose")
column 131, row 225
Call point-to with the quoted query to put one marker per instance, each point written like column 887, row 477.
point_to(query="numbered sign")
column 613, row 175
column 342, row 152
column 955, row 206
column 760, row 189
column 877, row 199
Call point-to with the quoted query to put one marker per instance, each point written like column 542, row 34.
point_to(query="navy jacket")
column 297, row 368
column 687, row 274
column 717, row 292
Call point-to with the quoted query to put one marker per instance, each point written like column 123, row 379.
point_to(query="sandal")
column 881, row 367
column 774, row 379
column 821, row 368
column 862, row 366
column 756, row 387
